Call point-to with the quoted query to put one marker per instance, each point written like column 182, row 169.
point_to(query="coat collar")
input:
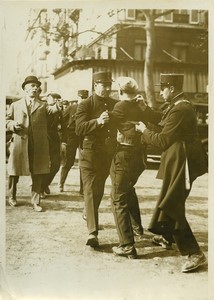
column 36, row 104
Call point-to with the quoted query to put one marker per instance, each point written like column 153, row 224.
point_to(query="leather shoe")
column 138, row 231
column 61, row 188
column 128, row 251
column 92, row 241
column 37, row 208
column 193, row 262
column 161, row 241
column 47, row 190
column 42, row 196
column 12, row 202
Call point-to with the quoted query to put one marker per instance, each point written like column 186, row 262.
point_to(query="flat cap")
column 54, row 95
column 82, row 93
column 65, row 102
column 127, row 84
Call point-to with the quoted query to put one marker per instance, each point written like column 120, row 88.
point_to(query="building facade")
column 68, row 45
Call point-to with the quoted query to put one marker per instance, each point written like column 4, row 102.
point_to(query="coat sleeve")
column 171, row 132
column 52, row 109
column 152, row 116
column 84, row 124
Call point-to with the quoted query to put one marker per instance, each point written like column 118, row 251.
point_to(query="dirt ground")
column 46, row 255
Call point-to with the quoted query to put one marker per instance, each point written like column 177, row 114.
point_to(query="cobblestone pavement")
column 46, row 255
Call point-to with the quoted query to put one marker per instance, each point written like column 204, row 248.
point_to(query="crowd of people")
column 111, row 135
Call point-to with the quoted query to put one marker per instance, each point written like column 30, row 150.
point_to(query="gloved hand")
column 103, row 118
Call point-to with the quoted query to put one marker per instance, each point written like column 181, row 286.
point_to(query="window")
column 99, row 53
column 194, row 18
column 159, row 19
column 130, row 14
column 179, row 52
column 139, row 50
column 181, row 16
column 109, row 52
column 165, row 18
column 168, row 17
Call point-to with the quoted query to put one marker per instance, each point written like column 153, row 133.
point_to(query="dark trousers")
column 167, row 224
column 35, row 190
column 69, row 160
column 95, row 166
column 12, row 186
column 126, row 167
column 184, row 238
column 54, row 166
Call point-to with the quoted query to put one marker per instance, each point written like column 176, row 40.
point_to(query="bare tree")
column 150, row 16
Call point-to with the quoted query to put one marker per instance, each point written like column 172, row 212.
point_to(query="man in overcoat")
column 29, row 147
column 182, row 161
column 98, row 146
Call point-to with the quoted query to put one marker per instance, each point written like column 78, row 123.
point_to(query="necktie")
column 30, row 106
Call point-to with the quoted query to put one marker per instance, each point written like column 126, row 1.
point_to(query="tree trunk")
column 148, row 65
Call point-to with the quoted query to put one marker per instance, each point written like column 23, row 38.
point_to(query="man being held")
column 128, row 164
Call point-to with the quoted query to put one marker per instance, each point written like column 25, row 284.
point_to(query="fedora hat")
column 31, row 79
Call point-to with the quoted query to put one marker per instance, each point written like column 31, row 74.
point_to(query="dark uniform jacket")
column 183, row 157
column 93, row 135
column 68, row 133
column 53, row 122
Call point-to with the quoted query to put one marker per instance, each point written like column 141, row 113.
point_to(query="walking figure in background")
column 29, row 147
column 70, row 141
column 98, row 146
column 182, row 161
column 53, row 123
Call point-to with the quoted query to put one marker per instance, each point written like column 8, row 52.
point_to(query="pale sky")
column 13, row 32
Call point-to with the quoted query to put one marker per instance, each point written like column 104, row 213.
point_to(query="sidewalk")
column 47, row 257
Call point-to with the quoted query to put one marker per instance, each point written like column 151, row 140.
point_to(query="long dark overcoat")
column 18, row 163
column 183, row 159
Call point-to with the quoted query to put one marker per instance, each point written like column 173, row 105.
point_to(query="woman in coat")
column 182, row 161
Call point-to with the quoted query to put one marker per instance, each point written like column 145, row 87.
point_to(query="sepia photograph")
column 106, row 161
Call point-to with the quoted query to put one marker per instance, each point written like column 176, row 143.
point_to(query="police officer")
column 69, row 139
column 98, row 146
column 182, row 161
